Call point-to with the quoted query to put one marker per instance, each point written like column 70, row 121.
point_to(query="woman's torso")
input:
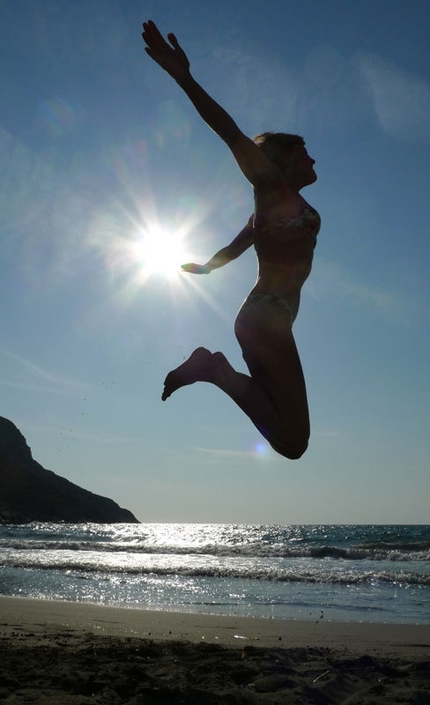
column 284, row 241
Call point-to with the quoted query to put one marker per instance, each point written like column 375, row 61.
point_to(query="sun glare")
column 161, row 252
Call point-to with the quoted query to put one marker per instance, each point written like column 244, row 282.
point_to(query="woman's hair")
column 276, row 144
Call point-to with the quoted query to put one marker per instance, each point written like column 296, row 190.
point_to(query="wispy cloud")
column 330, row 280
column 247, row 77
column 94, row 436
column 401, row 100
column 38, row 388
column 327, row 434
column 35, row 378
column 224, row 453
column 41, row 211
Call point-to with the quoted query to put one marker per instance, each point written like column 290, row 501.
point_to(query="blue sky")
column 100, row 151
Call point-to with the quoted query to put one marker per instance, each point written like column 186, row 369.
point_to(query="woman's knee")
column 292, row 451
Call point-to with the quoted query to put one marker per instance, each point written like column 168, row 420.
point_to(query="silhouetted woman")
column 283, row 231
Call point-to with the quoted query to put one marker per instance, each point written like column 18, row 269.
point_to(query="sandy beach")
column 73, row 654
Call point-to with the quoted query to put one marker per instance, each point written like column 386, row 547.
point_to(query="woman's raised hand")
column 172, row 59
column 195, row 268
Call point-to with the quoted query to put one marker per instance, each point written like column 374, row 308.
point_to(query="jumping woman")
column 283, row 230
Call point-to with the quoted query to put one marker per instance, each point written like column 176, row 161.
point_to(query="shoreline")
column 80, row 653
column 39, row 615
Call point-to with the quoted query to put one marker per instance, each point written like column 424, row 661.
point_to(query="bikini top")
column 308, row 220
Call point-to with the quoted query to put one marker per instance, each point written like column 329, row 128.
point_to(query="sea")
column 312, row 572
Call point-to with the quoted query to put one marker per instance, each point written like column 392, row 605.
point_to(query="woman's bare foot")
column 198, row 368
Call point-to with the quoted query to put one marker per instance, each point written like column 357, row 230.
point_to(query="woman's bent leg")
column 269, row 350
column 274, row 395
column 204, row 366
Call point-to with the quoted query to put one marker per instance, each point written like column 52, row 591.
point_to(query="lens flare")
column 160, row 252
column 261, row 448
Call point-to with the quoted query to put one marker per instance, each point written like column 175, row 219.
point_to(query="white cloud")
column 331, row 281
column 277, row 103
column 38, row 379
column 327, row 434
column 39, row 211
column 95, row 437
column 401, row 100
column 264, row 453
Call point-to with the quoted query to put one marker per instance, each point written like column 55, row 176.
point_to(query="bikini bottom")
column 269, row 299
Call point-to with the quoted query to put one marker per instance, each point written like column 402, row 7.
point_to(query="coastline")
column 20, row 613
column 76, row 653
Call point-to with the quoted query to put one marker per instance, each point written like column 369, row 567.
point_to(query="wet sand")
column 62, row 653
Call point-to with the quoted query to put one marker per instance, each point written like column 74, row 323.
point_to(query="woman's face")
column 301, row 167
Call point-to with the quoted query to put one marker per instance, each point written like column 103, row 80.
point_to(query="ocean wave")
column 259, row 573
column 378, row 552
column 285, row 571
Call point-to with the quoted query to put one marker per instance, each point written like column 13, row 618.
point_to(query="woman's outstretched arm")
column 236, row 247
column 172, row 58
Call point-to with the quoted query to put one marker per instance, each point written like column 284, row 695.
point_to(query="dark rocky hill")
column 28, row 492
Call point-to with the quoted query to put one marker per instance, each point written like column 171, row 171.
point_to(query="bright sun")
column 160, row 252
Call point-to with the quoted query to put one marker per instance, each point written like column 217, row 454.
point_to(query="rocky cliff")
column 28, row 492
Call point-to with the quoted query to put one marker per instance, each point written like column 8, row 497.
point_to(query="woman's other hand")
column 195, row 268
